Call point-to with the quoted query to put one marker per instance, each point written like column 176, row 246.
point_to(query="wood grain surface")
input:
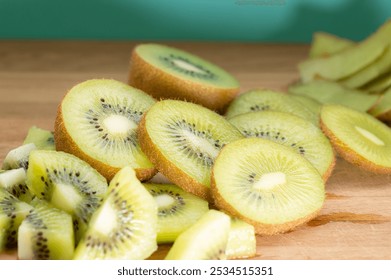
column 355, row 222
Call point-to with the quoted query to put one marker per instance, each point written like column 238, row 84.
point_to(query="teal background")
column 207, row 20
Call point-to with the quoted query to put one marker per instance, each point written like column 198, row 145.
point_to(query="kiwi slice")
column 125, row 225
column 265, row 100
column 170, row 73
column 382, row 110
column 269, row 186
column 289, row 130
column 12, row 213
column 310, row 103
column 182, row 140
column 97, row 122
column 204, row 240
column 380, row 84
column 241, row 240
column 358, row 137
column 46, row 234
column 177, row 210
column 68, row 183
column 43, row 139
column 14, row 181
column 324, row 44
column 18, row 157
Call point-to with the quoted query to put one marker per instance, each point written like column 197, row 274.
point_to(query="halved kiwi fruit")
column 14, row 181
column 242, row 242
column 125, row 225
column 289, row 130
column 68, row 183
column 269, row 186
column 266, row 100
column 43, row 139
column 177, row 210
column 182, row 140
column 46, row 234
column 170, row 73
column 97, row 122
column 358, row 137
column 18, row 157
column 205, row 240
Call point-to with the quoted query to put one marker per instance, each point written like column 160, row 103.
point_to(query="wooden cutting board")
column 355, row 222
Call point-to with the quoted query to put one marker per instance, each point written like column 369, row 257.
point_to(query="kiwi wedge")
column 205, row 240
column 170, row 73
column 14, row 181
column 68, row 183
column 324, row 44
column 125, row 225
column 43, row 139
column 12, row 213
column 182, row 139
column 97, row 122
column 177, row 210
column 265, row 100
column 46, row 234
column 358, row 137
column 18, row 157
column 289, row 130
column 241, row 240
column 269, row 186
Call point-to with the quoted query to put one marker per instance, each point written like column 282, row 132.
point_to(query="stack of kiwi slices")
column 88, row 190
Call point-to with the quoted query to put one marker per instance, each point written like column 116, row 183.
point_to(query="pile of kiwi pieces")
column 233, row 165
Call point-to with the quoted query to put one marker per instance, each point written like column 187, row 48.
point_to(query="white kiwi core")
column 106, row 220
column 164, row 200
column 187, row 66
column 269, row 181
column 201, row 144
column 370, row 136
column 117, row 124
column 65, row 197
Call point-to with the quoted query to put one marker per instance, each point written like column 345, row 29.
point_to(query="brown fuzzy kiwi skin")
column 329, row 171
column 260, row 228
column 350, row 155
column 162, row 85
column 168, row 169
column 65, row 143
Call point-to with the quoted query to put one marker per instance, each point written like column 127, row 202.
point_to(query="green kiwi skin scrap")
column 269, row 186
column 205, row 240
column 289, row 130
column 177, row 210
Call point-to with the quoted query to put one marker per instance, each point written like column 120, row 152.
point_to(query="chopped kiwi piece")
column 380, row 84
column 358, row 137
column 125, row 225
column 14, row 181
column 68, row 183
column 205, row 240
column 43, row 139
column 241, row 240
column 12, row 213
column 46, row 234
column 324, row 44
column 309, row 102
column 18, row 157
column 97, row 121
column 170, row 73
column 269, row 186
column 182, row 140
column 333, row 93
column 289, row 130
column 265, row 100
column 177, row 210
column 382, row 110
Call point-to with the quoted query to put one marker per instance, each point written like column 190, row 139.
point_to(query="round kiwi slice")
column 358, row 137
column 267, row 185
column 170, row 73
column 182, row 140
column 265, row 100
column 177, row 210
column 289, row 130
column 125, row 225
column 97, row 122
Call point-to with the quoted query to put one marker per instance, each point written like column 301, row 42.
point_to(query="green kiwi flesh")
column 43, row 139
column 14, row 181
column 289, row 130
column 380, row 84
column 242, row 242
column 18, row 157
column 324, row 44
column 177, row 210
column 382, row 110
column 265, row 100
column 269, row 186
column 12, row 213
column 68, row 183
column 205, row 240
column 125, row 225
column 309, row 102
column 46, row 234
